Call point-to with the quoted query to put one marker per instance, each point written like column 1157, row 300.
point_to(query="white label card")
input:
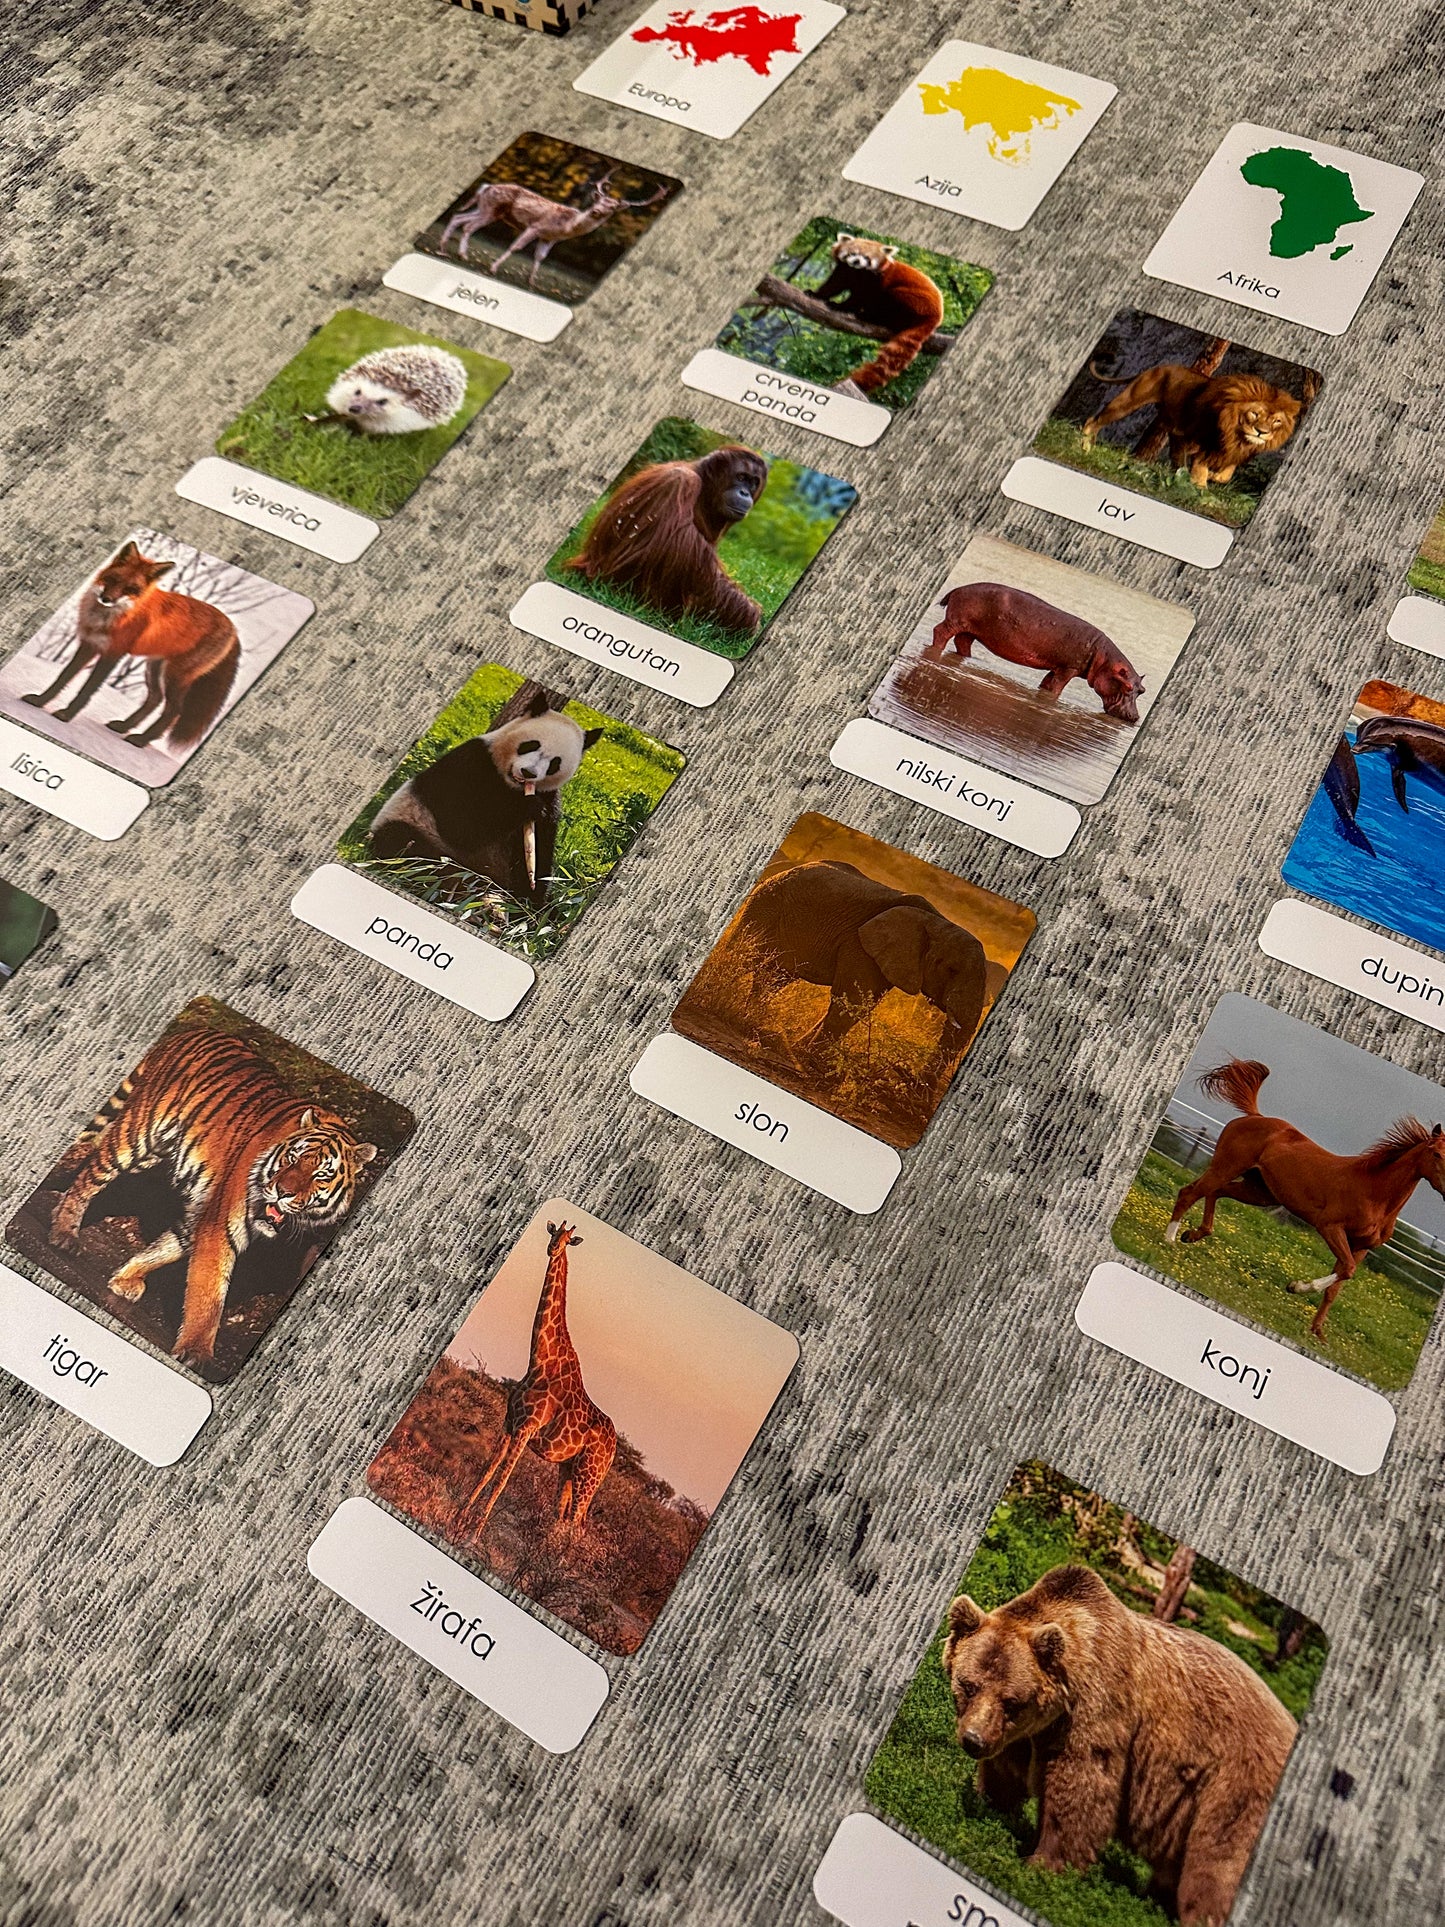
column 969, row 793
column 413, row 941
column 634, row 649
column 482, row 296
column 280, row 508
column 1118, row 511
column 1286, row 226
column 843, row 418
column 1356, row 958
column 872, row 1877
column 708, row 68
column 1328, row 1414
column 981, row 133
column 459, row 1624
column 83, row 794
column 775, row 1127
column 143, row 1405
column 1419, row 624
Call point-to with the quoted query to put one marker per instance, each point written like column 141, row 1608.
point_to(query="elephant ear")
column 896, row 940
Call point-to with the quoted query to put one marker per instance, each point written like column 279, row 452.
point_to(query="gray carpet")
column 194, row 1731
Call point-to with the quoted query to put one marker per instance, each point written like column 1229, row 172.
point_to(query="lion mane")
column 1215, row 423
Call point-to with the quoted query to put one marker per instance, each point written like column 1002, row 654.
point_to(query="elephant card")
column 856, row 977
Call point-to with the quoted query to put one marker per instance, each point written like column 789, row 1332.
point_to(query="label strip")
column 872, row 1877
column 57, row 781
column 310, row 521
column 446, row 285
column 634, row 649
column 843, row 418
column 1419, row 624
column 1118, row 511
column 1374, row 966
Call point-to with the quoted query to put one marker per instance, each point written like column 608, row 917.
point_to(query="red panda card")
column 842, row 331
column 709, row 68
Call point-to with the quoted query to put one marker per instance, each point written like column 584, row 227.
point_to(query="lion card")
column 1049, row 1740
column 208, row 1184
column 25, row 923
column 856, row 977
column 578, row 1434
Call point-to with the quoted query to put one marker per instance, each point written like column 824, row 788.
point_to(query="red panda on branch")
column 869, row 283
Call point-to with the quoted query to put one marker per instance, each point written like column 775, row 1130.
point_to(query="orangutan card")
column 210, row 1182
column 576, row 1437
column 1042, row 671
column 856, row 977
column 1051, row 1735
column 1292, row 1181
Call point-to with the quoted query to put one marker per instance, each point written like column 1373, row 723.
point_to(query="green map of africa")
column 1315, row 201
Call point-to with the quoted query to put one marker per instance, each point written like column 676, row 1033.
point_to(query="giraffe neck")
column 551, row 1341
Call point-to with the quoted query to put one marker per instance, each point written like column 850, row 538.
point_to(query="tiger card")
column 208, row 1184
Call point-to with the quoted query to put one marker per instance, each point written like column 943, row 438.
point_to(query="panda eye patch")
column 554, row 766
column 530, row 747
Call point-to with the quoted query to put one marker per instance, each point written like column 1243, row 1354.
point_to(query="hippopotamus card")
column 1287, row 226
column 1039, row 670
column 1051, row 1736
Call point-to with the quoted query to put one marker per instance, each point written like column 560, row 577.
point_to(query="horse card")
column 504, row 823
column 709, row 68
column 141, row 662
column 25, row 923
column 1287, row 226
column 676, row 571
column 1418, row 620
column 207, row 1186
column 982, row 133
column 533, row 235
column 842, row 331
column 1167, row 437
column 1050, row 1737
column 1292, row 1182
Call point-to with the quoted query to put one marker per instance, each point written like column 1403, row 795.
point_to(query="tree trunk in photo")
column 773, row 293
column 1290, row 1638
column 1153, row 442
column 1177, row 1575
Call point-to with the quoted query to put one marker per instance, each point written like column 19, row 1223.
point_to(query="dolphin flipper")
column 1397, row 758
column 1342, row 787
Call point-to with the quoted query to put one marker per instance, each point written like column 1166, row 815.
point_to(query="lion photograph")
column 1194, row 420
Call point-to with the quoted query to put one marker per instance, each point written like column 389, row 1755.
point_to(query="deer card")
column 709, row 68
column 534, row 234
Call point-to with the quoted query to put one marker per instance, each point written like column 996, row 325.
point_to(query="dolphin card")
column 1286, row 226
column 1418, row 620
column 982, row 133
column 709, row 68
column 25, row 923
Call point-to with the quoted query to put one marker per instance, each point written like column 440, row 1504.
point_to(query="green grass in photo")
column 373, row 474
column 1231, row 503
column 621, row 781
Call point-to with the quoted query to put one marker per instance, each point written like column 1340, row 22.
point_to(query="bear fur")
column 1121, row 1727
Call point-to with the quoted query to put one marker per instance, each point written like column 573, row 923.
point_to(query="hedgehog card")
column 25, row 923
column 363, row 413
column 1049, row 1741
column 842, row 331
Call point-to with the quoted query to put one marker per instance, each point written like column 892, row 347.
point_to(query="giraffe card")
column 579, row 1432
column 982, row 133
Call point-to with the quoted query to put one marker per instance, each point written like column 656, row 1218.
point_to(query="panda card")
column 490, row 838
column 842, row 331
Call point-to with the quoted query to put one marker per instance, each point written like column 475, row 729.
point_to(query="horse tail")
column 1236, row 1082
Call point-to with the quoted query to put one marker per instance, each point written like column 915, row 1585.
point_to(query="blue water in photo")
column 1402, row 886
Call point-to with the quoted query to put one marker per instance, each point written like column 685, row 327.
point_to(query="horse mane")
column 1402, row 1137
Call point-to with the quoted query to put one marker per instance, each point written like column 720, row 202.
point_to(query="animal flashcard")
column 1287, row 226
column 1293, row 1181
column 699, row 537
column 982, row 133
column 1418, row 620
column 855, row 976
column 1051, row 1737
column 1043, row 671
column 512, row 811
column 208, row 1184
column 709, row 68
column 138, row 666
column 578, row 1434
column 25, row 923
column 363, row 413
column 1373, row 838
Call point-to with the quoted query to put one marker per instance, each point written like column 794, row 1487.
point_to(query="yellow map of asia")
column 1012, row 110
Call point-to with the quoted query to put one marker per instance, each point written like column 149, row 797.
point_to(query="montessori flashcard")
column 675, row 571
column 1164, row 429
column 25, row 923
column 1418, row 620
column 982, row 133
column 1286, row 226
column 505, row 820
column 1292, row 1182
column 1050, row 1740
column 1033, row 668
column 210, row 1182
column 709, row 68
column 139, row 665
column 842, row 331
column 577, row 1435
column 534, row 234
